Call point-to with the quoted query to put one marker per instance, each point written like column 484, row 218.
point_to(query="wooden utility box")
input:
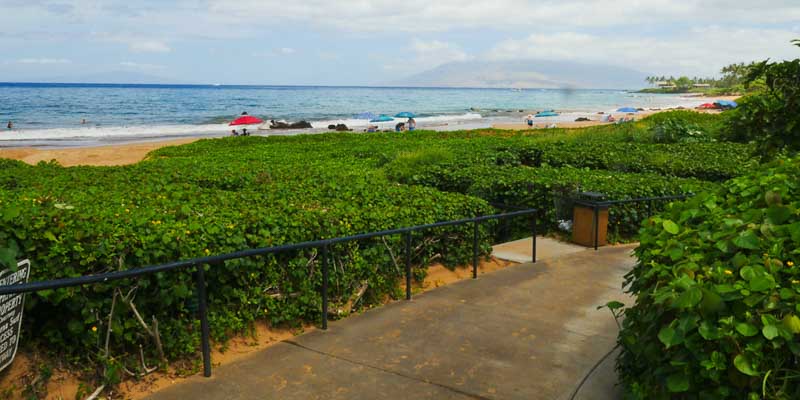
column 583, row 225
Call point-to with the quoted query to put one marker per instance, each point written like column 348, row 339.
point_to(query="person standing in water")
column 10, row 125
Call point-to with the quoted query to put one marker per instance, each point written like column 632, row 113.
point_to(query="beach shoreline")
column 132, row 150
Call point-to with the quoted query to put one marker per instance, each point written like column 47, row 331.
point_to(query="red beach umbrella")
column 707, row 106
column 246, row 120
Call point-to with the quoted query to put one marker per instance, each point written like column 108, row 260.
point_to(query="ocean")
column 51, row 114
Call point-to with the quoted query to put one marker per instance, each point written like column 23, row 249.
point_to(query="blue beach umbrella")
column 550, row 113
column 627, row 110
column 382, row 118
column 406, row 114
column 726, row 103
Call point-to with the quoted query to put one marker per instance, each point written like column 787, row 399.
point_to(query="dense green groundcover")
column 717, row 287
column 217, row 196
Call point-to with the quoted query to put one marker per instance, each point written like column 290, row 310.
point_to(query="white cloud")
column 697, row 51
column 436, row 52
column 44, row 61
column 136, row 43
column 148, row 46
column 440, row 15
column 428, row 54
column 140, row 66
column 282, row 51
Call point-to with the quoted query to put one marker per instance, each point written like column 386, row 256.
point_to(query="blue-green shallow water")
column 51, row 114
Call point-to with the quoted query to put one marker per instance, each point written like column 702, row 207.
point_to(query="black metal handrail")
column 596, row 205
column 323, row 245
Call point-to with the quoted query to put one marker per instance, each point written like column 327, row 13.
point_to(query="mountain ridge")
column 527, row 74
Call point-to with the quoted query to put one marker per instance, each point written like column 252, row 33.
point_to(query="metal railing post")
column 408, row 265
column 652, row 208
column 325, row 286
column 596, row 225
column 475, row 250
column 203, row 311
column 533, row 238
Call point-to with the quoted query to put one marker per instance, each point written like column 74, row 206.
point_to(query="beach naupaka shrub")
column 771, row 118
column 716, row 314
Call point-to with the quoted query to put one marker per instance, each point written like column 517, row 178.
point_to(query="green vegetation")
column 771, row 118
column 717, row 289
column 732, row 82
column 217, row 196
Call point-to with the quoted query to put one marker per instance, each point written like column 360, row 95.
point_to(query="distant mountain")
column 527, row 74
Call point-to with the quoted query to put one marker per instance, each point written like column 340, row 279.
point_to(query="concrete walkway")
column 530, row 331
column 546, row 248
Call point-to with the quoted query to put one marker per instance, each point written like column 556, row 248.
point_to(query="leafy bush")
column 707, row 122
column 214, row 197
column 674, row 130
column 534, row 187
column 717, row 289
column 771, row 118
column 217, row 196
column 407, row 164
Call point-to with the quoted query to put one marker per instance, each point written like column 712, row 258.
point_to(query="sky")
column 363, row 42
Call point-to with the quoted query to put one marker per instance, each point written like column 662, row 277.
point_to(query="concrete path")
column 546, row 248
column 530, row 331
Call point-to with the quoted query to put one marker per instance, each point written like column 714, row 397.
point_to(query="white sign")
column 11, row 306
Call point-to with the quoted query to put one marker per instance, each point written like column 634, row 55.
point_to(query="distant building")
column 663, row 84
column 701, row 85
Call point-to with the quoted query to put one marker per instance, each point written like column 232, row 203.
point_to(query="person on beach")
column 401, row 126
column 234, row 133
column 244, row 131
column 529, row 120
column 10, row 125
column 411, row 124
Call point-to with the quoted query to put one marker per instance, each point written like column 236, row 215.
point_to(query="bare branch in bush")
column 348, row 307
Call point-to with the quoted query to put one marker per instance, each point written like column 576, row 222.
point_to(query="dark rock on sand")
column 294, row 125
column 581, row 119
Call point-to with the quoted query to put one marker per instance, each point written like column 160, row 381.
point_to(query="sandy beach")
column 119, row 154
column 597, row 119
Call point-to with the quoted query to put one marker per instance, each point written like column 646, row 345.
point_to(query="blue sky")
column 374, row 42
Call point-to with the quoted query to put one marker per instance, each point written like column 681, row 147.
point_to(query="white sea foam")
column 143, row 132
